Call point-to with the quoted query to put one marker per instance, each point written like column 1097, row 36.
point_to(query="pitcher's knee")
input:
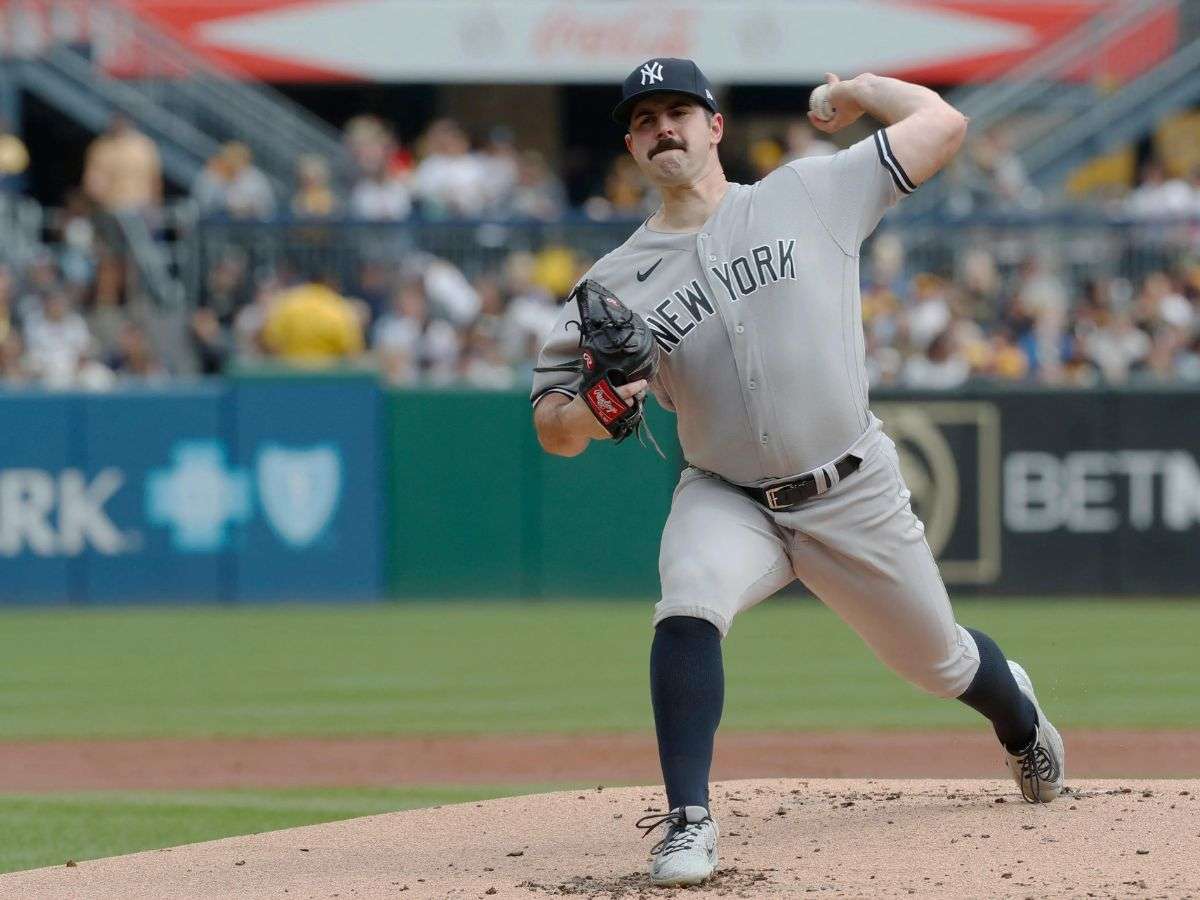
column 692, row 575
column 946, row 675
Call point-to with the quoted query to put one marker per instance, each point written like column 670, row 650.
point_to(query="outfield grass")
column 548, row 667
column 45, row 830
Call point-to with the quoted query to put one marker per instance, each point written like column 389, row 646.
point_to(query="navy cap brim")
column 622, row 110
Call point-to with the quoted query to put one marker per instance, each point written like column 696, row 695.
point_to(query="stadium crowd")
column 79, row 313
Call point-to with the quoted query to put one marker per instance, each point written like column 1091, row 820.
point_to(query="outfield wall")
column 248, row 489
column 329, row 488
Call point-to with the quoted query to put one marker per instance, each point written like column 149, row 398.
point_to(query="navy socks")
column 687, row 690
column 994, row 693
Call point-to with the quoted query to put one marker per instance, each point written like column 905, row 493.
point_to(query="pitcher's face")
column 672, row 138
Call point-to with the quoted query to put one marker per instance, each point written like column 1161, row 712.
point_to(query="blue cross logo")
column 198, row 496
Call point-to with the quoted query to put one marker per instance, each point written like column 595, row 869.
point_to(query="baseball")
column 819, row 103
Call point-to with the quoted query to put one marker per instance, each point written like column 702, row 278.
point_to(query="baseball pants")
column 859, row 548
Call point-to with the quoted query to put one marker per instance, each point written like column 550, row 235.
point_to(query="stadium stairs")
column 1042, row 104
column 114, row 62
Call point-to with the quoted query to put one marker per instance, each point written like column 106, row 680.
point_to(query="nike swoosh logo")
column 642, row 276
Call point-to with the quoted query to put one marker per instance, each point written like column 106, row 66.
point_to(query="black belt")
column 784, row 496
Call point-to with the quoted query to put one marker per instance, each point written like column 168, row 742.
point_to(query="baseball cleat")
column 687, row 854
column 1039, row 770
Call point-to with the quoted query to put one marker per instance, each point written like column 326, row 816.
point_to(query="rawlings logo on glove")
column 616, row 347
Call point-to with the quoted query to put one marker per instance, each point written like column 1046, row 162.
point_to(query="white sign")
column 1079, row 492
column 602, row 40
column 58, row 514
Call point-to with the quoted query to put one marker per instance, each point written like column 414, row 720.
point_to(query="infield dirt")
column 841, row 838
column 196, row 763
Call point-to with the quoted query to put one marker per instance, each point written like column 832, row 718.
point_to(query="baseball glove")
column 615, row 348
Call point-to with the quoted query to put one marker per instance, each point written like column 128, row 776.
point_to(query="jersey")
column 758, row 316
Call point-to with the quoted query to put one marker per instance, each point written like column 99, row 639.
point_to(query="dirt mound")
column 784, row 838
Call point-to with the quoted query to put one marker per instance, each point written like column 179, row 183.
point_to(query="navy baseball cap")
column 664, row 75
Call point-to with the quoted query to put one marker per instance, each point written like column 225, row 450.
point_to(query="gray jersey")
column 758, row 315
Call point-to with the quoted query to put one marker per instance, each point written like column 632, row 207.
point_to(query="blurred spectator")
column 531, row 310
column 383, row 171
column 884, row 362
column 374, row 149
column 1116, row 347
column 380, row 196
column 1042, row 297
column 12, row 359
column 765, row 157
column 40, row 277
column 1188, row 361
column 14, row 161
column 314, row 197
column 1007, row 180
column 9, row 333
column 210, row 341
column 105, row 319
column 1167, row 343
column 625, row 193
column 980, row 285
column 312, row 324
column 135, row 355
column 1006, row 362
column 939, row 368
column 445, row 288
column 499, row 160
column 8, row 294
column 230, row 184
column 410, row 344
column 929, row 314
column 450, row 180
column 122, row 172
column 802, row 140
column 122, row 176
column 77, row 239
column 56, row 341
column 1158, row 303
column 1160, row 197
column 225, row 287
column 251, row 320
column 538, row 193
column 484, row 364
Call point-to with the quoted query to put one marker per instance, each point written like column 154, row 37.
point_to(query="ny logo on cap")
column 651, row 72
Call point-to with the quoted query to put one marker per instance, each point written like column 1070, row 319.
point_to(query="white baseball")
column 819, row 103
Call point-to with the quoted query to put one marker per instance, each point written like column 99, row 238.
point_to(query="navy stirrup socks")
column 994, row 693
column 687, row 690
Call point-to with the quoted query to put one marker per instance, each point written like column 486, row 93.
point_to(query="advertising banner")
column 323, row 488
column 309, row 450
column 246, row 490
column 47, row 501
column 1088, row 492
column 555, row 41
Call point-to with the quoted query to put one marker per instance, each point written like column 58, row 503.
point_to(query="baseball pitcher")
column 738, row 307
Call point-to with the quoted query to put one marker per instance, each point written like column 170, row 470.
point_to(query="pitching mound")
column 783, row 837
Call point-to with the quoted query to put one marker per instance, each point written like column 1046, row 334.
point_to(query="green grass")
column 552, row 667
column 45, row 830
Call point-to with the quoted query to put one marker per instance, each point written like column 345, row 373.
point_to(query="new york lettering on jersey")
column 675, row 317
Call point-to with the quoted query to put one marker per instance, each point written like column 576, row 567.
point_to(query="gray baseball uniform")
column 760, row 323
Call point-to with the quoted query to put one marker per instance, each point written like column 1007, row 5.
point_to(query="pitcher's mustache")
column 668, row 144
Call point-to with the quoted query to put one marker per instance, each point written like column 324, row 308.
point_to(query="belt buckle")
column 771, row 493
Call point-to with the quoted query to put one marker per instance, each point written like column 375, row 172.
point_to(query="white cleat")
column 687, row 854
column 1040, row 770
